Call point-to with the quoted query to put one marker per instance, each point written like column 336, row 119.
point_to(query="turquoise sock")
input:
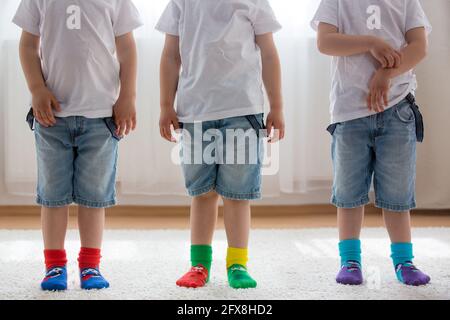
column 401, row 253
column 350, row 250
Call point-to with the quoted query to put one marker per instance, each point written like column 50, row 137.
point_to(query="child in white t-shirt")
column 227, row 53
column 375, row 121
column 79, row 59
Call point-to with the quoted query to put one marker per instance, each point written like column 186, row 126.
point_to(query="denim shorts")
column 224, row 156
column 77, row 160
column 381, row 147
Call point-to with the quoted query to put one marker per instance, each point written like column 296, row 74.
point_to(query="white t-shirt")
column 386, row 19
column 221, row 63
column 78, row 50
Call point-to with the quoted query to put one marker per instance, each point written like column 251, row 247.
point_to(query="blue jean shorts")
column 224, row 156
column 381, row 148
column 77, row 160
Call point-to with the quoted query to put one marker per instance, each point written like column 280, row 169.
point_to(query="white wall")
column 434, row 97
column 433, row 172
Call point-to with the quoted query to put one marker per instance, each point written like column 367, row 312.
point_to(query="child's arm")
column 169, row 76
column 413, row 54
column 43, row 101
column 272, row 82
column 333, row 43
column 125, row 107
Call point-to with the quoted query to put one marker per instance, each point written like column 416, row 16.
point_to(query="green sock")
column 202, row 254
column 238, row 276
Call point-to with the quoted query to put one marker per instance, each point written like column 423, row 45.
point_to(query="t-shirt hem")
column 315, row 23
column 360, row 115
column 267, row 27
column 222, row 115
column 128, row 29
column 428, row 28
column 25, row 26
column 167, row 29
column 103, row 113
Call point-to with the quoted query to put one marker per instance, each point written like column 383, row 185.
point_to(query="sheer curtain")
column 146, row 169
column 299, row 170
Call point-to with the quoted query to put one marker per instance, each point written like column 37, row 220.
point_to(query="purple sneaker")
column 408, row 274
column 350, row 274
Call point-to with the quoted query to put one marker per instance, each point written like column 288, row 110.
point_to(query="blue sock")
column 350, row 250
column 92, row 279
column 55, row 279
column 401, row 253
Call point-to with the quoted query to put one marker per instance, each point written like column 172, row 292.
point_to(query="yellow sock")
column 237, row 256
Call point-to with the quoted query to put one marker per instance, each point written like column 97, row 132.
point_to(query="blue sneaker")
column 55, row 279
column 91, row 279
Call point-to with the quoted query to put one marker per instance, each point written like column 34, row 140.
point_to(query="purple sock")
column 350, row 274
column 408, row 274
column 350, row 252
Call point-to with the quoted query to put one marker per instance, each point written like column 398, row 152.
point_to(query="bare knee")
column 209, row 197
column 236, row 203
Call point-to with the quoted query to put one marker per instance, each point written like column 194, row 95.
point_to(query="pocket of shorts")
column 111, row 125
column 405, row 114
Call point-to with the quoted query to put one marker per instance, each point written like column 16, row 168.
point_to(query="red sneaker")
column 197, row 277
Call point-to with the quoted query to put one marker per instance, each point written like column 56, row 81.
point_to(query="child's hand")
column 168, row 120
column 125, row 116
column 43, row 103
column 378, row 97
column 385, row 54
column 275, row 125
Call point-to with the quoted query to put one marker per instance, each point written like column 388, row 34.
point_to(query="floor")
column 293, row 256
column 304, row 220
column 288, row 264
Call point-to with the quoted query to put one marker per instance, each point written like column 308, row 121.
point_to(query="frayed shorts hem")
column 224, row 194
column 239, row 196
column 78, row 201
column 394, row 207
column 350, row 205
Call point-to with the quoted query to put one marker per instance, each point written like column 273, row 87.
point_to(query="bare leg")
column 54, row 227
column 237, row 223
column 91, row 223
column 204, row 211
column 350, row 222
column 398, row 225
column 237, row 219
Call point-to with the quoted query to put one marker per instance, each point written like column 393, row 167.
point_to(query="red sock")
column 55, row 258
column 89, row 258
